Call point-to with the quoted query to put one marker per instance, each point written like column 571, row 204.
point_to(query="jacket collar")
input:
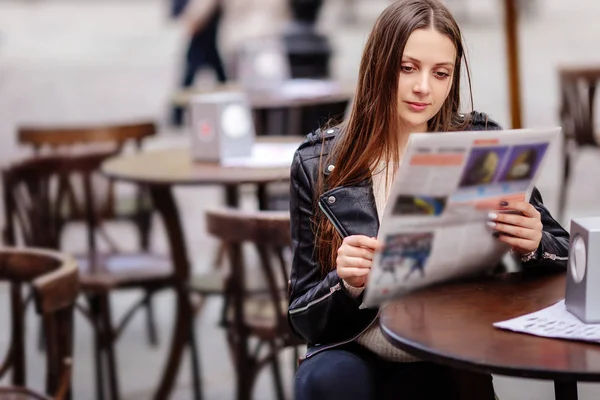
column 351, row 208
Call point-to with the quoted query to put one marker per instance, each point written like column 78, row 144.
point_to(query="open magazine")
column 434, row 225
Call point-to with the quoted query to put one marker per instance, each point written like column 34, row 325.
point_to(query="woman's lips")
column 416, row 106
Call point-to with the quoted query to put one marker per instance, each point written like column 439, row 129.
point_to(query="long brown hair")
column 369, row 136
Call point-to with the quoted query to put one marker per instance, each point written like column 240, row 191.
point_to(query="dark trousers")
column 202, row 52
column 178, row 7
column 353, row 372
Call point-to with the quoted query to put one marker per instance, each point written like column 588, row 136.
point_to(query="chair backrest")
column 35, row 194
column 31, row 190
column 61, row 140
column 54, row 281
column 578, row 91
column 269, row 233
column 66, row 136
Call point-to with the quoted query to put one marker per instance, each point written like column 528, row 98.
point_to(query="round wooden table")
column 174, row 166
column 452, row 324
column 160, row 170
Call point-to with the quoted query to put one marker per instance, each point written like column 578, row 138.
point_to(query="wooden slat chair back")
column 31, row 190
column 54, row 282
column 63, row 140
column 261, row 316
column 578, row 94
column 57, row 137
column 35, row 191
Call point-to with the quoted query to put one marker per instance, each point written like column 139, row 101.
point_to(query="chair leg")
column 296, row 359
column 562, row 197
column 41, row 338
column 150, row 320
column 276, row 370
column 196, row 370
column 220, row 256
column 244, row 368
column 95, row 311
column 41, row 335
column 144, row 225
column 109, row 338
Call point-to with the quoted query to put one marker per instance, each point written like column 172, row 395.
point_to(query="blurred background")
column 99, row 62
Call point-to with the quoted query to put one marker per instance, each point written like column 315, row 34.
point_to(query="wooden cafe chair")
column 135, row 209
column 578, row 92
column 35, row 193
column 53, row 280
column 254, row 316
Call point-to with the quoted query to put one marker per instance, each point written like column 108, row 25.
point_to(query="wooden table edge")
column 426, row 354
column 185, row 182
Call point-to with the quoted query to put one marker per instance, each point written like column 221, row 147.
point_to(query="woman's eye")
column 406, row 68
column 441, row 74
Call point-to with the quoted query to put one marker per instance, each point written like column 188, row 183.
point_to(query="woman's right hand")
column 355, row 257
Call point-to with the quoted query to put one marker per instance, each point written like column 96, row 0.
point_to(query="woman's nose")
column 422, row 85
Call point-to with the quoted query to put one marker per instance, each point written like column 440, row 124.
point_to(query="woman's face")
column 425, row 78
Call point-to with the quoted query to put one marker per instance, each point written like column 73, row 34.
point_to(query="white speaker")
column 582, row 297
column 221, row 126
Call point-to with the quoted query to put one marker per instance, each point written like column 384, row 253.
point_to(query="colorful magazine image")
column 483, row 165
column 419, row 205
column 523, row 162
column 408, row 252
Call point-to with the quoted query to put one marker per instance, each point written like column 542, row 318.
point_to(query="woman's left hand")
column 522, row 230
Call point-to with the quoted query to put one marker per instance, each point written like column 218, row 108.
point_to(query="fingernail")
column 492, row 215
column 503, row 203
column 491, row 224
column 496, row 235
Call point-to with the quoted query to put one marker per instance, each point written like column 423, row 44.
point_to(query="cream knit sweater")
column 372, row 338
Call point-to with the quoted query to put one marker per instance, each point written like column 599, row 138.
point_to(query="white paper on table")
column 265, row 155
column 555, row 322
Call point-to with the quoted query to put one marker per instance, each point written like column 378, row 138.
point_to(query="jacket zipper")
column 550, row 256
column 308, row 355
column 332, row 290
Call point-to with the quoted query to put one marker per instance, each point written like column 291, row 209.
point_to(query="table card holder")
column 263, row 65
column 582, row 297
column 221, row 126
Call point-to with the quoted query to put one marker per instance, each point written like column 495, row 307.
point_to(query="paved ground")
column 66, row 61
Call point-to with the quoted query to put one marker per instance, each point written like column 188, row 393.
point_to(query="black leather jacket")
column 321, row 311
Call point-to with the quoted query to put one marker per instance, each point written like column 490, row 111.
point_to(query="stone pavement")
column 95, row 61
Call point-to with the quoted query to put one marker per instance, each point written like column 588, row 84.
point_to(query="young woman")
column 409, row 81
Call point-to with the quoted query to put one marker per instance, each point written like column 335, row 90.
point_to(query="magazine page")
column 434, row 225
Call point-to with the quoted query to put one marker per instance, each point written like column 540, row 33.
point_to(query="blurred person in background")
column 246, row 21
column 201, row 19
